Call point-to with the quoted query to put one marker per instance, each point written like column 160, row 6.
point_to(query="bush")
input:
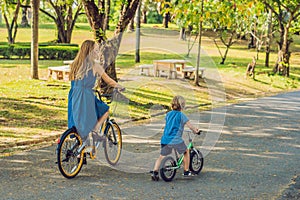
column 23, row 51
column 6, row 51
column 153, row 17
column 58, row 52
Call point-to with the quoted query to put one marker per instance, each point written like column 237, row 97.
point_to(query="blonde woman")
column 85, row 111
column 172, row 136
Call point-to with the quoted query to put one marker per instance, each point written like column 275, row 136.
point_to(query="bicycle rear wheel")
column 69, row 162
column 112, row 143
column 196, row 161
column 168, row 170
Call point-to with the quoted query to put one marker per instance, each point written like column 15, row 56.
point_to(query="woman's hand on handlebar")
column 119, row 88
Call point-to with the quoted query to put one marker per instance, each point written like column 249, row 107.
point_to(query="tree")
column 286, row 13
column 189, row 14
column 229, row 19
column 64, row 13
column 10, row 10
column 24, row 22
column 107, row 14
column 138, row 34
column 166, row 14
column 259, row 27
column 96, row 16
column 269, row 38
column 35, row 4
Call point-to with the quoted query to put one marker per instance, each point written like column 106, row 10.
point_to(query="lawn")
column 34, row 108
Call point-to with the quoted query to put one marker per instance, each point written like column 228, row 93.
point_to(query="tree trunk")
column 225, row 55
column 107, row 14
column 283, row 60
column 96, row 20
column 64, row 24
column 269, row 38
column 166, row 20
column 35, row 4
column 13, row 27
column 64, row 20
column 228, row 45
column 138, row 33
column 131, row 25
column 196, row 81
column 182, row 35
column 144, row 20
column 24, row 22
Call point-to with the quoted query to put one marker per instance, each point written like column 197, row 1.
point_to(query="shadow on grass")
column 28, row 114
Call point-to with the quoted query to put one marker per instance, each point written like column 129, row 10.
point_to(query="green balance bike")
column 169, row 166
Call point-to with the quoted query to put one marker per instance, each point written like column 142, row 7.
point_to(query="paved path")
column 255, row 157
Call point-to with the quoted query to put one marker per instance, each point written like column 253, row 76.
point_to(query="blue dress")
column 84, row 108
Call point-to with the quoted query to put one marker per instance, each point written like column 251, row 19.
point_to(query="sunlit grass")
column 37, row 107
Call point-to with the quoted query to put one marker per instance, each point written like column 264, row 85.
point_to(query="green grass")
column 31, row 108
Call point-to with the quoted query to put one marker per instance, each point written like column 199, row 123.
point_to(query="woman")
column 85, row 111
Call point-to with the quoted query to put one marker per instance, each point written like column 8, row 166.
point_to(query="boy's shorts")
column 166, row 149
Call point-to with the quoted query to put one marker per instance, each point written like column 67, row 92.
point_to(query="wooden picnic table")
column 190, row 71
column 59, row 73
column 67, row 62
column 169, row 66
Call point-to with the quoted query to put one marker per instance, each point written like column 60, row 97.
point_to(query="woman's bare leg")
column 100, row 121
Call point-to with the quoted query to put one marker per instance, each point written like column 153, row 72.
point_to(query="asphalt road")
column 255, row 157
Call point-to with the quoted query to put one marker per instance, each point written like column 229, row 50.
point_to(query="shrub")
column 55, row 52
column 6, row 51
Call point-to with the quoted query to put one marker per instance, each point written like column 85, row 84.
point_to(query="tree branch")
column 127, row 13
column 48, row 14
column 270, row 7
column 295, row 16
column 77, row 13
column 218, row 48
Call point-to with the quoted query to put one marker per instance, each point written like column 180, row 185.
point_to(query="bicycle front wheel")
column 113, row 143
column 196, row 161
column 69, row 162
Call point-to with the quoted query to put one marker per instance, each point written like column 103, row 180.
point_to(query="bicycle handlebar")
column 110, row 96
column 198, row 133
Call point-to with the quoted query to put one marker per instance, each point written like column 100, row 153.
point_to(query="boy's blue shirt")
column 175, row 121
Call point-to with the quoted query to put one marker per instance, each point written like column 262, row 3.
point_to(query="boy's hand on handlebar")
column 199, row 132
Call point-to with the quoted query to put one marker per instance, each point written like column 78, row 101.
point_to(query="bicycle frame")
column 105, row 128
column 179, row 159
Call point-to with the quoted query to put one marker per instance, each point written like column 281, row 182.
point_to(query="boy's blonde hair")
column 178, row 103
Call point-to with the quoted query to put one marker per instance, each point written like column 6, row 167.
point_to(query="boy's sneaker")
column 187, row 174
column 154, row 175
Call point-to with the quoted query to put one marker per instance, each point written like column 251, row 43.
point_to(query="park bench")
column 146, row 69
column 190, row 71
column 59, row 73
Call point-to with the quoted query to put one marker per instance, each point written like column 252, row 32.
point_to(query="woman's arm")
column 109, row 80
column 99, row 69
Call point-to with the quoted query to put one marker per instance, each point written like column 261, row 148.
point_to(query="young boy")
column 172, row 136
